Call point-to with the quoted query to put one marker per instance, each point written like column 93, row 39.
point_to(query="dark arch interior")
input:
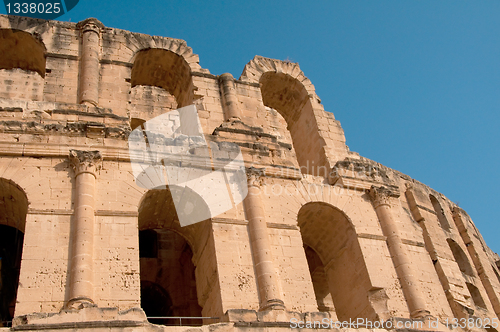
column 20, row 49
column 11, row 246
column 461, row 258
column 443, row 221
column 13, row 210
column 156, row 303
column 166, row 260
column 476, row 295
column 172, row 271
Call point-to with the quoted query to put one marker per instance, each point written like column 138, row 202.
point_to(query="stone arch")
column 164, row 69
column 22, row 65
column 496, row 272
column 140, row 42
column 173, row 268
column 319, row 280
column 330, row 233
column 476, row 296
column 285, row 88
column 443, row 221
column 13, row 210
column 461, row 258
column 21, row 50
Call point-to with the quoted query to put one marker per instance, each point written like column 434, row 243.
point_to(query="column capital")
column 382, row 195
column 90, row 24
column 226, row 77
column 255, row 176
column 85, row 161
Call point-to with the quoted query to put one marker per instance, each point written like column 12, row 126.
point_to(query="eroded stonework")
column 323, row 234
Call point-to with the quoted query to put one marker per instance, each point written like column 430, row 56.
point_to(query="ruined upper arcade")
column 323, row 232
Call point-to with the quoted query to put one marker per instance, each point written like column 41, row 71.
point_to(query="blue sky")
column 415, row 84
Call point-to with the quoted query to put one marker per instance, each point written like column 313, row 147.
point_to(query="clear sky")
column 415, row 84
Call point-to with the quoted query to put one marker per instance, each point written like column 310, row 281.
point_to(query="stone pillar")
column 88, row 84
column 267, row 282
column 229, row 98
column 81, row 287
column 381, row 199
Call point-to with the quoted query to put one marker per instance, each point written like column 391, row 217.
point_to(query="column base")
column 419, row 314
column 273, row 304
column 89, row 103
column 80, row 303
column 275, row 318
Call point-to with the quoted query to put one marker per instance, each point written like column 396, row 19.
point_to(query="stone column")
column 382, row 201
column 88, row 84
column 81, row 288
column 229, row 98
column 267, row 282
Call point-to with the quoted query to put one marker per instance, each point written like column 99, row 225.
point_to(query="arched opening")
column 22, row 65
column 496, row 272
column 168, row 282
column 461, row 258
column 443, row 221
column 319, row 280
column 20, row 49
column 476, row 296
column 163, row 69
column 13, row 210
column 289, row 97
column 329, row 233
column 11, row 246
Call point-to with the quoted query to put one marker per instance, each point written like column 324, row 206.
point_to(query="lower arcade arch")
column 340, row 277
column 13, row 210
column 168, row 282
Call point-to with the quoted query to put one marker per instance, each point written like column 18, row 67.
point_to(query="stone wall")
column 323, row 233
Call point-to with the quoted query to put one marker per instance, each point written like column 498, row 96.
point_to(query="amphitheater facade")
column 322, row 235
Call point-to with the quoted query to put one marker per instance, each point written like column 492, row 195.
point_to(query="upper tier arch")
column 164, row 69
column 137, row 42
column 260, row 65
column 20, row 49
column 285, row 88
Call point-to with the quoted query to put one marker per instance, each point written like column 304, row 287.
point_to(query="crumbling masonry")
column 323, row 233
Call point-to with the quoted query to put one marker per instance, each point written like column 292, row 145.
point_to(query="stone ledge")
column 269, row 318
column 87, row 317
column 79, row 325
